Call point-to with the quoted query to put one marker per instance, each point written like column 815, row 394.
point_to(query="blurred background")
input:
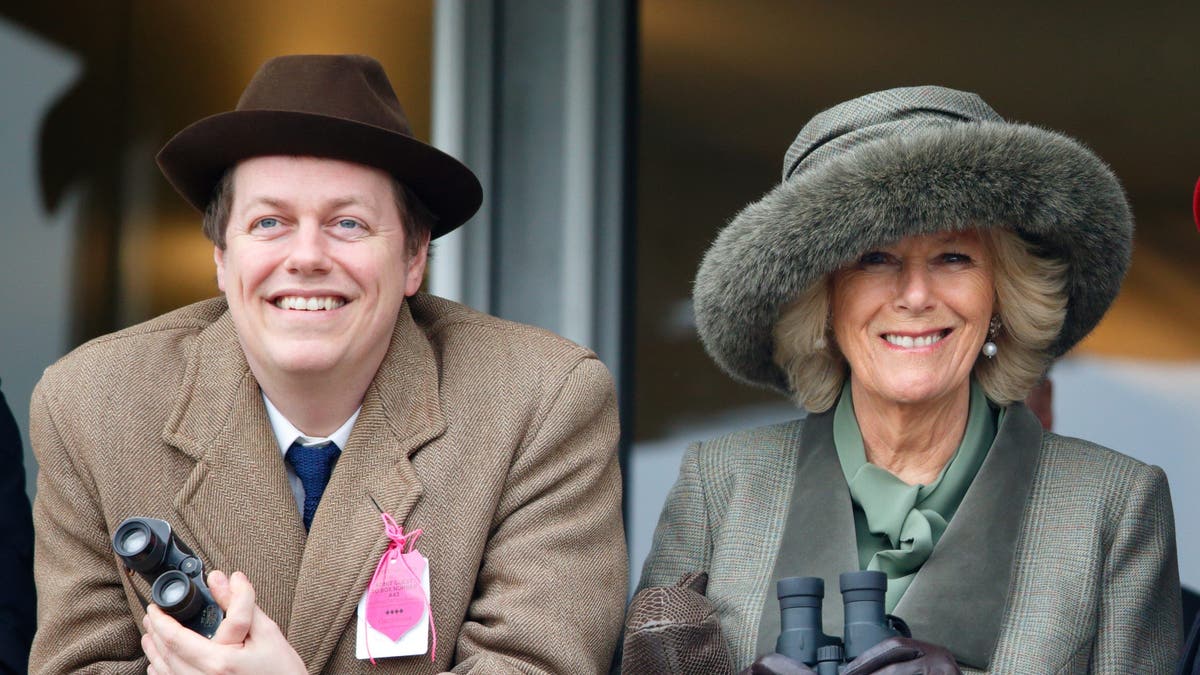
column 614, row 139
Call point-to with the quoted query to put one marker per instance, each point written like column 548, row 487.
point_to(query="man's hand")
column 247, row 641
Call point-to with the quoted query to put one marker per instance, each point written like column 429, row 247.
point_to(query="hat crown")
column 350, row 87
column 339, row 107
column 878, row 115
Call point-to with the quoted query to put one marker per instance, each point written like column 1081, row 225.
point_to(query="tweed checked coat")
column 497, row 439
column 1060, row 559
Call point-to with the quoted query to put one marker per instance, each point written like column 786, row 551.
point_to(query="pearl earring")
column 989, row 347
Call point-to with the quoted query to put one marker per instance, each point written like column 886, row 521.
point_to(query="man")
column 16, row 550
column 495, row 440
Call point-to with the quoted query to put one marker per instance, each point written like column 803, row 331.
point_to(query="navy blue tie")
column 313, row 464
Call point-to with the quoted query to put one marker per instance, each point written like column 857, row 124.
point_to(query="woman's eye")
column 956, row 258
column 873, row 258
column 266, row 223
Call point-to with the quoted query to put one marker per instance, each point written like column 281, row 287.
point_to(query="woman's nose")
column 914, row 290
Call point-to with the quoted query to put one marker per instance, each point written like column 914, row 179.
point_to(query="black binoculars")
column 176, row 576
column 801, row 637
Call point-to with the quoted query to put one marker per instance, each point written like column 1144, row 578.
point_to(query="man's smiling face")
column 316, row 265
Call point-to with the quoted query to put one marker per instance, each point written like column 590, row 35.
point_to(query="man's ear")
column 219, row 259
column 416, row 269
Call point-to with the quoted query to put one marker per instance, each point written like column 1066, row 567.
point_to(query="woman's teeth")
column 308, row 304
column 909, row 342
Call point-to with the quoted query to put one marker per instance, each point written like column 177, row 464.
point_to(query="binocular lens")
column 864, row 586
column 135, row 540
column 138, row 546
column 176, row 595
column 173, row 591
column 800, row 592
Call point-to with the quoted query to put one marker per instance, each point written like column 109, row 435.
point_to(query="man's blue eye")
column 348, row 223
column 266, row 223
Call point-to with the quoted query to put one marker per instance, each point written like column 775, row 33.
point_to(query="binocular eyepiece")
column 801, row 637
column 176, row 576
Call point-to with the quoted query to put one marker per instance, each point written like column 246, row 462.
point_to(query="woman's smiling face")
column 910, row 318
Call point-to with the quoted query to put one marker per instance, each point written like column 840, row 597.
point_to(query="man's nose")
column 308, row 250
column 914, row 290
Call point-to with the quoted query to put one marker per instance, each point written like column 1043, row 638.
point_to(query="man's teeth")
column 908, row 342
column 308, row 304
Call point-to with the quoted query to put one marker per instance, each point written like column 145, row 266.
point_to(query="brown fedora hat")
column 335, row 106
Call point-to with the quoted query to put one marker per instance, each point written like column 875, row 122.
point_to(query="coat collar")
column 238, row 510
column 958, row 598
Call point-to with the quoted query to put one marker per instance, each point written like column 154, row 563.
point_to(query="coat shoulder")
column 1103, row 482
column 751, row 456
column 755, row 440
column 1084, row 463
column 462, row 335
column 155, row 350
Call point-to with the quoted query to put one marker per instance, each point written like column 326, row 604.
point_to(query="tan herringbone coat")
column 498, row 440
column 1060, row 559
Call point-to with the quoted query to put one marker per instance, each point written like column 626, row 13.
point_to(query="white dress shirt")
column 286, row 433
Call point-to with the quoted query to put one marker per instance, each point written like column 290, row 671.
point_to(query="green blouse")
column 897, row 524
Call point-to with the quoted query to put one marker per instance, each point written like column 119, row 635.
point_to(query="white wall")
column 35, row 247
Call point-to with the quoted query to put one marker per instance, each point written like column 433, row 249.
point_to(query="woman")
column 908, row 282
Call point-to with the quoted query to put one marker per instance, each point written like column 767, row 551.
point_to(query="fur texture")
column 1050, row 189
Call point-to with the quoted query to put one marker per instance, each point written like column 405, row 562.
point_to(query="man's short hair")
column 416, row 218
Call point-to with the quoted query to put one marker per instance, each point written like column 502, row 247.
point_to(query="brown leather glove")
column 674, row 629
column 904, row 656
column 777, row 664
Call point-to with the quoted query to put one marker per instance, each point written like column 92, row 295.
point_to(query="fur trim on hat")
column 1050, row 189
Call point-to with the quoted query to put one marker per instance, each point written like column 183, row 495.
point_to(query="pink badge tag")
column 395, row 599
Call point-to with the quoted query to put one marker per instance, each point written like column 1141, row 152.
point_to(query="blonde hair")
column 1031, row 301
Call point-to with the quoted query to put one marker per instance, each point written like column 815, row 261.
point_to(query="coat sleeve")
column 1139, row 626
column 84, row 623
column 682, row 540
column 554, row 576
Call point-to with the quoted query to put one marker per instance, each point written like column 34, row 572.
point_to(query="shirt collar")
column 286, row 433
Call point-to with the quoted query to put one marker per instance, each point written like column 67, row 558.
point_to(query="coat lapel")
column 219, row 420
column 401, row 413
column 958, row 598
column 818, row 539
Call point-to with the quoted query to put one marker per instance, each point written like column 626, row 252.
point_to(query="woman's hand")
column 904, row 656
column 247, row 641
column 893, row 656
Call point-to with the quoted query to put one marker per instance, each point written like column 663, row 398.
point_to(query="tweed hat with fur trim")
column 901, row 162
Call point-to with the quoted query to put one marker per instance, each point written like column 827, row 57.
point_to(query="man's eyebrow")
column 282, row 205
column 277, row 204
column 351, row 200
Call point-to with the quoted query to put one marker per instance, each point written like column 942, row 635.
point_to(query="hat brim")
column 1048, row 188
column 195, row 159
